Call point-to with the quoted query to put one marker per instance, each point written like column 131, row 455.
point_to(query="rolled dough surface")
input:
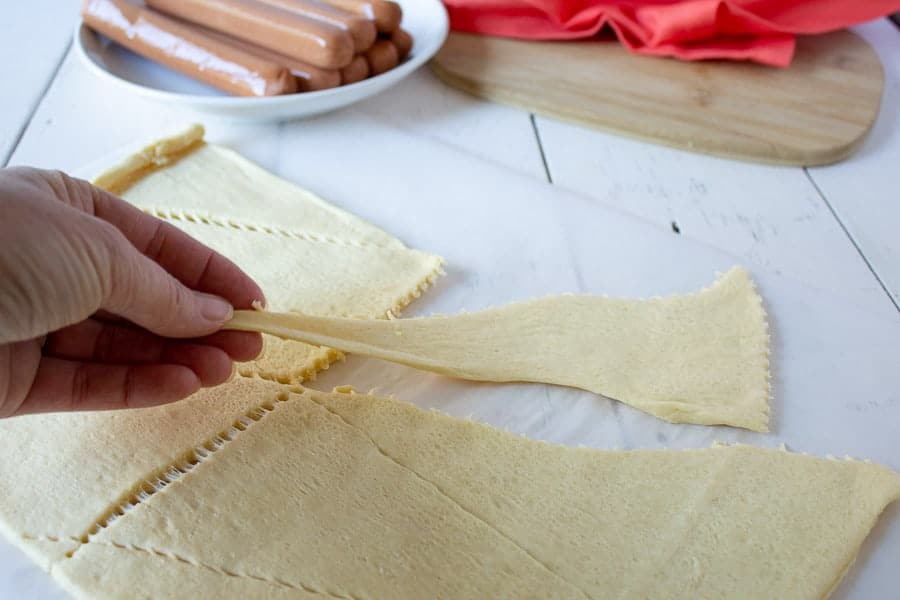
column 700, row 358
column 353, row 496
column 306, row 254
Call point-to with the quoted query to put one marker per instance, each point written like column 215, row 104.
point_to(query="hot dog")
column 355, row 71
column 209, row 60
column 403, row 41
column 361, row 29
column 382, row 56
column 288, row 33
column 387, row 15
column 309, row 77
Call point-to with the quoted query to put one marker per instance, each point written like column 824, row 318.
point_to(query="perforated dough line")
column 292, row 585
column 298, row 585
column 193, row 216
column 169, row 474
column 701, row 358
column 472, row 512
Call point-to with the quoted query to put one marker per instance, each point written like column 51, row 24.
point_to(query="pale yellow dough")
column 350, row 496
column 90, row 462
column 306, row 254
column 700, row 358
column 262, row 490
column 62, row 473
column 298, row 272
column 190, row 175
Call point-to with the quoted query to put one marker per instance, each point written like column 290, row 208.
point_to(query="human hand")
column 103, row 306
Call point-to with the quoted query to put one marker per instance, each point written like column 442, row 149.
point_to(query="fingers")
column 72, row 374
column 62, row 385
column 142, row 291
column 116, row 342
column 237, row 344
column 189, row 261
column 113, row 343
column 18, row 365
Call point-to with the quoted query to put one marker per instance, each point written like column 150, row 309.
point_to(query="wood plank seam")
column 537, row 138
column 852, row 240
column 37, row 104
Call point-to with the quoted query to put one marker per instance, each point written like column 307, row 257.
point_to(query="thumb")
column 140, row 290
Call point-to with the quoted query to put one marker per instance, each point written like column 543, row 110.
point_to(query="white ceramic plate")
column 426, row 21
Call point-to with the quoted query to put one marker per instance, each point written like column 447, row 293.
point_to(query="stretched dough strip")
column 700, row 358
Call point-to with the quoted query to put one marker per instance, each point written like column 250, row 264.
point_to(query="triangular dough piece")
column 699, row 358
column 724, row 522
column 306, row 254
column 302, row 498
column 369, row 497
column 64, row 472
column 182, row 172
column 299, row 272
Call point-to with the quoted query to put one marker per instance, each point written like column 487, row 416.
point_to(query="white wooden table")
column 468, row 179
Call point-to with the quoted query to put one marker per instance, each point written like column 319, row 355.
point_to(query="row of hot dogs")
column 259, row 47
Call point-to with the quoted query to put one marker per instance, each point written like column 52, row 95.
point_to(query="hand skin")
column 103, row 306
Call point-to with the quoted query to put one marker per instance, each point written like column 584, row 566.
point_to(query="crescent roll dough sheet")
column 306, row 255
column 63, row 473
column 700, row 358
column 258, row 489
column 351, row 496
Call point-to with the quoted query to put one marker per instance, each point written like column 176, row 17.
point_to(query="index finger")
column 188, row 260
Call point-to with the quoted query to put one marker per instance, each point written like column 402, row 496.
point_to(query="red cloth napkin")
column 758, row 30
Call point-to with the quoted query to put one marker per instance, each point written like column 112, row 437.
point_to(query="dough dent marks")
column 306, row 254
column 700, row 358
column 371, row 497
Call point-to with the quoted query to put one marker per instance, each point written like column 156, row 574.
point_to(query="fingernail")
column 214, row 308
column 233, row 374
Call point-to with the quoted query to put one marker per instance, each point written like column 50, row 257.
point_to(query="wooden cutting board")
column 815, row 112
